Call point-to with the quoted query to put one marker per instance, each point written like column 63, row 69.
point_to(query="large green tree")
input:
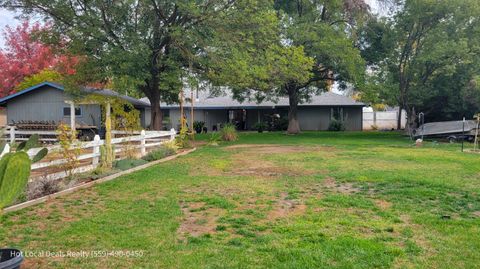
column 325, row 30
column 426, row 59
column 153, row 44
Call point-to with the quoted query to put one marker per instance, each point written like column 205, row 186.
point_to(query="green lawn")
column 344, row 200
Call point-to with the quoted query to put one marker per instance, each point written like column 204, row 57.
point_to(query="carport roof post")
column 72, row 115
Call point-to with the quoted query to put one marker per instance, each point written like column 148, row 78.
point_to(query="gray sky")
column 6, row 18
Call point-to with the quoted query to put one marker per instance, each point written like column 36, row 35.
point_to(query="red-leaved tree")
column 24, row 55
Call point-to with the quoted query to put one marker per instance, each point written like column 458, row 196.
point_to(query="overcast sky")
column 6, row 18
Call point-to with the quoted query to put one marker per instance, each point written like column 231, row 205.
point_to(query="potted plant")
column 260, row 127
column 14, row 173
column 198, row 126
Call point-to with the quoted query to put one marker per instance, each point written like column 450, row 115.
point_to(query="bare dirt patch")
column 251, row 161
column 198, row 219
column 286, row 208
column 340, row 187
column 382, row 204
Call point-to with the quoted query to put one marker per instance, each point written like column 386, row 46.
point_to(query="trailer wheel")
column 452, row 139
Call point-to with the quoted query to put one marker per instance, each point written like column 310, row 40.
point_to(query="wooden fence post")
column 12, row 134
column 96, row 150
column 142, row 143
column 172, row 134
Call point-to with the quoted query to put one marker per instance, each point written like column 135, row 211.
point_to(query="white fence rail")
column 91, row 151
column 11, row 134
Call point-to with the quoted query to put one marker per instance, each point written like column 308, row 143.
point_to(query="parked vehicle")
column 450, row 130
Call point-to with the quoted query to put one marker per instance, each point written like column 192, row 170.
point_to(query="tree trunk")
column 399, row 118
column 293, row 125
column 156, row 112
column 411, row 117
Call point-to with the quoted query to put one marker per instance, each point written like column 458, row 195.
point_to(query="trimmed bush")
column 229, row 132
column 126, row 164
column 260, row 127
column 336, row 126
column 165, row 150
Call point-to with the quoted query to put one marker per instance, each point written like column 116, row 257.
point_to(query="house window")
column 66, row 111
column 336, row 113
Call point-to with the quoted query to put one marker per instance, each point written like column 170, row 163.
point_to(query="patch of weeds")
column 199, row 240
column 245, row 232
column 342, row 200
column 236, row 222
column 201, row 221
column 219, row 164
column 220, row 228
column 218, row 201
column 237, row 242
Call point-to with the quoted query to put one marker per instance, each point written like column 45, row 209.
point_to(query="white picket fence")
column 141, row 142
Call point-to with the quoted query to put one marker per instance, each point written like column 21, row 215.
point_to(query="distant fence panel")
column 382, row 120
column 12, row 134
column 90, row 153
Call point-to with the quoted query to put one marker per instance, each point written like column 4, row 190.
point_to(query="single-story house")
column 48, row 101
column 314, row 115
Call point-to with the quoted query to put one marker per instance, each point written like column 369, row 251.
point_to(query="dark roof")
column 104, row 92
column 226, row 101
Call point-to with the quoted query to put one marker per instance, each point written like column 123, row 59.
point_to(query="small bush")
column 128, row 163
column 183, row 140
column 170, row 146
column 279, row 124
column 213, row 139
column 336, row 126
column 260, row 127
column 229, row 132
column 167, row 149
column 40, row 188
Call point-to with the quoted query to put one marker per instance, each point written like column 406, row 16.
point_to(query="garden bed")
column 89, row 179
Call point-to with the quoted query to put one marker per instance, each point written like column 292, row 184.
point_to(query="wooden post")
column 12, row 134
column 475, row 143
column 191, row 112
column 110, row 155
column 142, row 143
column 172, row 134
column 182, row 115
column 96, row 150
column 72, row 116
